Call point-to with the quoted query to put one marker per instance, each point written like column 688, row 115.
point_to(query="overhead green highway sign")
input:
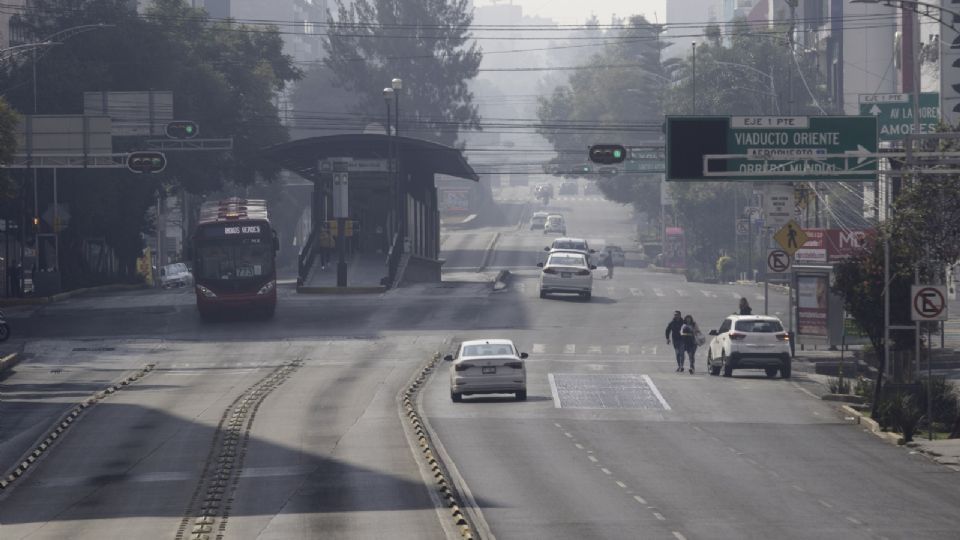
column 894, row 113
column 771, row 148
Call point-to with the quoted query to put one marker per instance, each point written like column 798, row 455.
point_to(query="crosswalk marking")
column 594, row 349
column 569, row 349
column 736, row 296
column 658, row 292
column 709, row 294
column 623, row 349
column 611, row 290
column 758, row 296
column 681, row 292
column 636, row 292
column 539, row 348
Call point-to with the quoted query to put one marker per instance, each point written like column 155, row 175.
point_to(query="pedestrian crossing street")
column 617, row 291
column 573, row 350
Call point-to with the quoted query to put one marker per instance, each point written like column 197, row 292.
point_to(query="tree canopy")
column 426, row 43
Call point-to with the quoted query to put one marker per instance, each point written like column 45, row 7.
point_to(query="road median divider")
column 488, row 253
column 442, row 492
column 58, row 427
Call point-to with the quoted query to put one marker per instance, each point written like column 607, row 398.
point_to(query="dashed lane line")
column 570, row 349
column 658, row 292
column 621, row 484
column 539, row 348
column 659, row 516
column 679, row 536
column 605, row 471
column 639, row 499
column 592, row 458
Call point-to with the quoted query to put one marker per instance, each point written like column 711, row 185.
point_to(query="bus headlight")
column 267, row 288
column 206, row 292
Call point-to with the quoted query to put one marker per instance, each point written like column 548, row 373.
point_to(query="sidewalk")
column 364, row 274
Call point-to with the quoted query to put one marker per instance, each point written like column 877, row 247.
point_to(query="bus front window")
column 234, row 261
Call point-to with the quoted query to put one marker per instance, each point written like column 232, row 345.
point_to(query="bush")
column 864, row 388
column 838, row 385
column 726, row 268
column 946, row 406
column 900, row 412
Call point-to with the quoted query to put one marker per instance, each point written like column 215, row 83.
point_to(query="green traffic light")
column 617, row 153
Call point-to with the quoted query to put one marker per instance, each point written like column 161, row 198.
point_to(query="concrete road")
column 613, row 443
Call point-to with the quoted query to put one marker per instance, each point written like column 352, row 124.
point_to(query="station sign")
column 774, row 148
column 894, row 113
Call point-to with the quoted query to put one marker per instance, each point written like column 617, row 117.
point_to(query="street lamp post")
column 388, row 96
column 397, row 85
column 694, row 80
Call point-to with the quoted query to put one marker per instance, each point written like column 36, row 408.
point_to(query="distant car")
column 555, row 225
column 538, row 220
column 750, row 342
column 563, row 243
column 175, row 275
column 569, row 188
column 592, row 189
column 619, row 258
column 566, row 272
column 488, row 366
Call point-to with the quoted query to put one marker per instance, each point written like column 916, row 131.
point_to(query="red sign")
column 839, row 244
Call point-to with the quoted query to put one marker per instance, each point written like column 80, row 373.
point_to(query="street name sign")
column 894, row 113
column 928, row 302
column 790, row 237
column 771, row 148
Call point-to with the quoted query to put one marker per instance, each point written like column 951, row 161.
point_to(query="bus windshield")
column 227, row 260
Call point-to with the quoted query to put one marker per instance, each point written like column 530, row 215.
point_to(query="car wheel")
column 455, row 397
column 771, row 372
column 727, row 368
column 714, row 370
column 521, row 395
column 586, row 295
column 785, row 370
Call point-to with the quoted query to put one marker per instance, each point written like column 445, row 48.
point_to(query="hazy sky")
column 577, row 11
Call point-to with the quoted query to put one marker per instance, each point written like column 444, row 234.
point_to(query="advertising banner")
column 812, row 305
column 454, row 200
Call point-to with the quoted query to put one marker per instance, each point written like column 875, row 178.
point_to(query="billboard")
column 812, row 305
column 59, row 135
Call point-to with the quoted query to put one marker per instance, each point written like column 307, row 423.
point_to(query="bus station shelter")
column 403, row 241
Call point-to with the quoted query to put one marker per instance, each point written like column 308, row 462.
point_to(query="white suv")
column 750, row 342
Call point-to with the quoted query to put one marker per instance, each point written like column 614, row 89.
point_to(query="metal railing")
column 307, row 254
column 393, row 259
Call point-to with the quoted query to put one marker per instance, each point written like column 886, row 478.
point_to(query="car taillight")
column 514, row 365
column 583, row 272
column 734, row 335
column 463, row 367
column 783, row 337
column 550, row 271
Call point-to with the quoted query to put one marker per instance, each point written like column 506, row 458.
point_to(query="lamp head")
column 397, row 84
column 388, row 93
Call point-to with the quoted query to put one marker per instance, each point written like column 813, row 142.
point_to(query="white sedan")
column 487, row 366
column 566, row 272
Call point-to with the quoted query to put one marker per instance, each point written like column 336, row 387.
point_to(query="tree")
column 223, row 75
column 322, row 108
column 424, row 42
column 8, row 144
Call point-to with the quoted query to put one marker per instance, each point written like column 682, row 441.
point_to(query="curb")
column 871, row 425
column 9, row 361
column 39, row 300
column 374, row 289
column 60, row 426
column 660, row 270
column 443, row 484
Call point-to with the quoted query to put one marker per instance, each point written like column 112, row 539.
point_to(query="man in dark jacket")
column 673, row 333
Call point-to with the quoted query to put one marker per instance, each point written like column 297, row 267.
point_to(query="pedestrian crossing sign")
column 791, row 237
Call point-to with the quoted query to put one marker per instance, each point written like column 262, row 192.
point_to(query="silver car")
column 488, row 366
column 566, row 272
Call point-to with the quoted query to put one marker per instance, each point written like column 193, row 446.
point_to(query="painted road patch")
column 605, row 391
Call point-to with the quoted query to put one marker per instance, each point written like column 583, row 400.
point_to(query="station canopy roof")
column 418, row 157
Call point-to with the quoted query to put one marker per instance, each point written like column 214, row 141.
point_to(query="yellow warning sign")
column 791, row 237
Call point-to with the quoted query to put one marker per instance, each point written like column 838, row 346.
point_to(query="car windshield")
column 760, row 327
column 229, row 260
column 567, row 259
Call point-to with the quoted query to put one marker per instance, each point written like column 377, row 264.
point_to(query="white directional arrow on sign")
column 875, row 110
column 860, row 150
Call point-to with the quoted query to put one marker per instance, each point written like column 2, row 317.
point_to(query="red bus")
column 234, row 256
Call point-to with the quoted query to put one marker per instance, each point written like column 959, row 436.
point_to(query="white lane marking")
column 658, row 292
column 825, row 503
column 659, row 516
column 679, row 536
column 751, row 461
column 758, row 296
column 621, row 484
column 681, row 292
column 736, row 296
column 855, row 521
column 539, row 348
column 591, row 458
column 558, row 425
column 567, row 434
column 569, row 349
column 636, row 292
column 804, row 390
column 798, row 488
column 639, row 499
column 656, row 392
column 708, row 294
column 623, row 349
column 611, row 290
column 579, row 446
column 594, row 349
column 553, row 391
column 605, row 470
column 522, row 286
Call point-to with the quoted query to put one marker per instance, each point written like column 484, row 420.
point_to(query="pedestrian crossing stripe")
column 658, row 292
column 571, row 349
column 636, row 292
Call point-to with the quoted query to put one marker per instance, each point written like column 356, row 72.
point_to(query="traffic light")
column 608, row 154
column 36, row 224
column 146, row 162
column 182, row 129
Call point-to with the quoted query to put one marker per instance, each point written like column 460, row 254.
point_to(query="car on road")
column 555, row 225
column 488, row 366
column 175, row 275
column 750, row 342
column 566, row 272
column 569, row 188
column 538, row 220
column 564, row 243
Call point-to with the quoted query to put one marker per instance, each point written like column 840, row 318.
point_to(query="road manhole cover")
column 606, row 391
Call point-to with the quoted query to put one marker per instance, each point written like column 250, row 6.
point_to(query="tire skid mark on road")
column 213, row 497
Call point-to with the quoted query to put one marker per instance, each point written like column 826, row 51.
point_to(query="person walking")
column 691, row 337
column 745, row 308
column 608, row 262
column 673, row 333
